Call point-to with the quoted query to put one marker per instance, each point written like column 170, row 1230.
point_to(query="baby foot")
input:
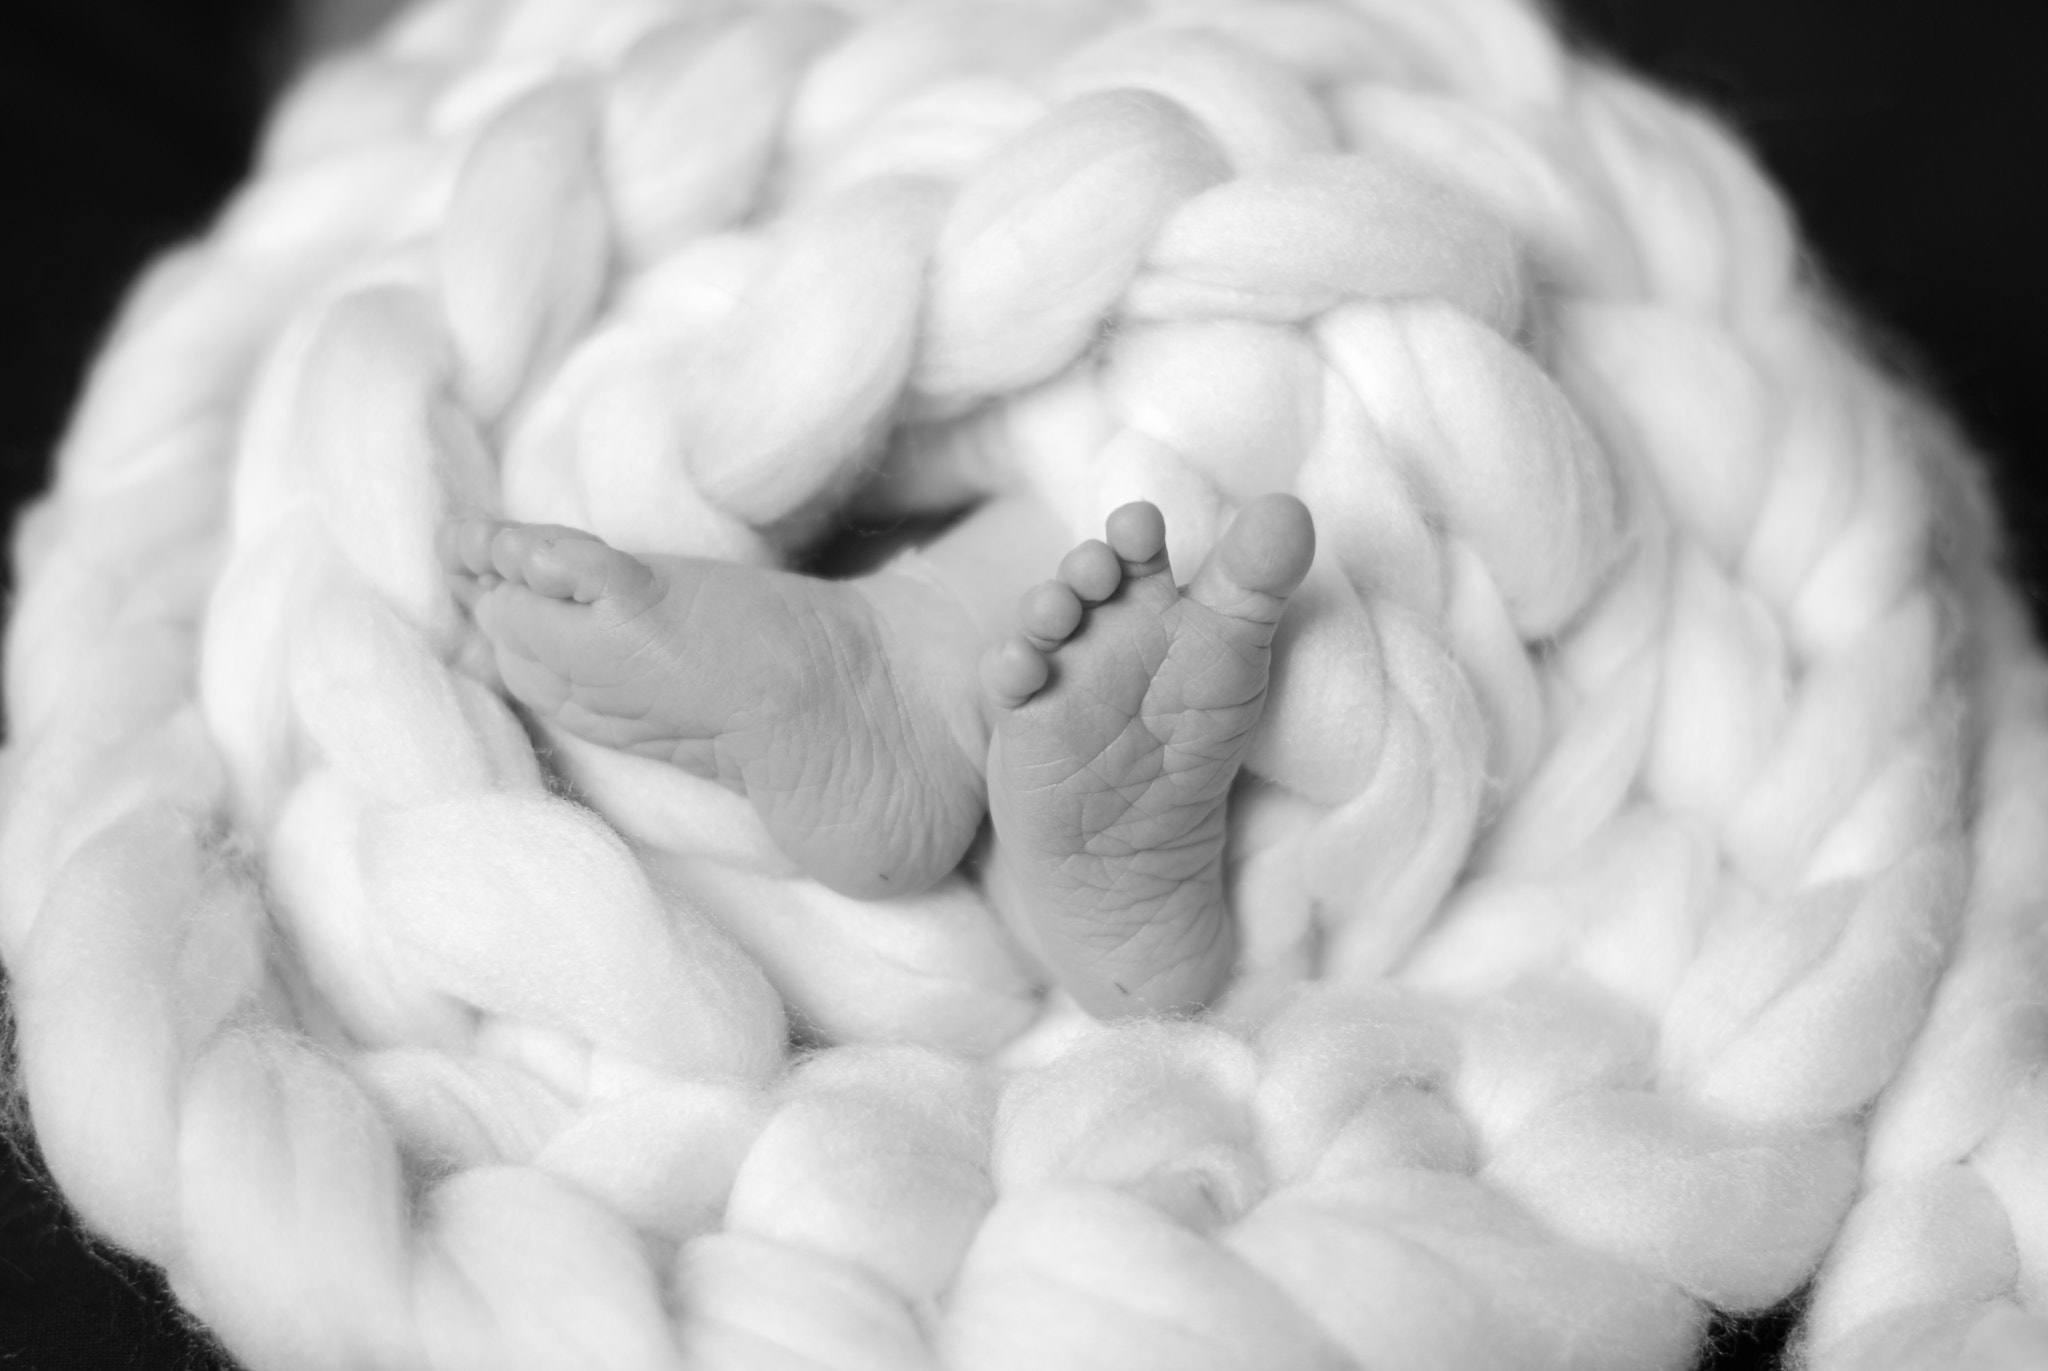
column 1121, row 714
column 825, row 703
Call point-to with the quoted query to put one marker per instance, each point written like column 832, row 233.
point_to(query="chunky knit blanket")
column 1639, row 871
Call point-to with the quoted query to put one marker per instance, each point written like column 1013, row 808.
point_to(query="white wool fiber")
column 1637, row 869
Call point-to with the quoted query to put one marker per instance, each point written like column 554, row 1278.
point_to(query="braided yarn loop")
column 1638, row 869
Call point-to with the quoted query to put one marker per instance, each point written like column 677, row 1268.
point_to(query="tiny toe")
column 1092, row 571
column 510, row 544
column 476, row 545
column 1013, row 671
column 584, row 570
column 464, row 544
column 1270, row 544
column 1050, row 613
column 515, row 547
column 1137, row 531
column 1259, row 561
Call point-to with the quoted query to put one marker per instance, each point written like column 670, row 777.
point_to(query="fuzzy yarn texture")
column 1639, row 870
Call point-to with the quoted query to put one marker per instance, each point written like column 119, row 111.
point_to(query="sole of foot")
column 797, row 692
column 1122, row 709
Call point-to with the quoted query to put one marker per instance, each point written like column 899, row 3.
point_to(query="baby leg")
column 847, row 711
column 1121, row 714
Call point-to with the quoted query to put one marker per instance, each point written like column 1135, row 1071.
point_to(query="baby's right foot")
column 845, row 713
column 1122, row 712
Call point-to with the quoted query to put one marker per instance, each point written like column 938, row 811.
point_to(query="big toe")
column 1270, row 544
column 568, row 564
column 1260, row 560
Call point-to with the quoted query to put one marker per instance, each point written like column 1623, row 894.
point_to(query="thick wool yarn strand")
column 1636, row 867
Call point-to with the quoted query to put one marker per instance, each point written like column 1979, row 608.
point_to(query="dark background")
column 1910, row 136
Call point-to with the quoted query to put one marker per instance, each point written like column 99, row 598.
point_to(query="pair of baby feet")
column 1101, row 739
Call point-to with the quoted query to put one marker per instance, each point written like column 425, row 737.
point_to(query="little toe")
column 464, row 545
column 1013, row 671
column 510, row 544
column 1049, row 613
column 1259, row 561
column 1092, row 571
column 1137, row 534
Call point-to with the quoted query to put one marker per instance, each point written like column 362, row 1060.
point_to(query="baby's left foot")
column 1115, row 744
